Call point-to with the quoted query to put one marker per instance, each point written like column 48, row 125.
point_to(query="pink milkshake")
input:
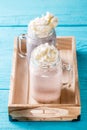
column 45, row 74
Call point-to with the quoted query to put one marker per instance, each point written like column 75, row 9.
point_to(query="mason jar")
column 45, row 81
column 32, row 41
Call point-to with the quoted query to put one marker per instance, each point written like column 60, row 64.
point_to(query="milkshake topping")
column 44, row 25
column 45, row 55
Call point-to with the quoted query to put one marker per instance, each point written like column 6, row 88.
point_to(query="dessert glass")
column 45, row 81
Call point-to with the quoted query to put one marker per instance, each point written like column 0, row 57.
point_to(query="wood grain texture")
column 72, row 21
column 16, row 93
column 23, row 110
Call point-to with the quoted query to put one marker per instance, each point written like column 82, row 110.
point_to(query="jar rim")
column 35, row 35
column 45, row 66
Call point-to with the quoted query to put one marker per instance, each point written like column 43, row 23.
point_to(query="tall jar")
column 45, row 81
column 40, row 30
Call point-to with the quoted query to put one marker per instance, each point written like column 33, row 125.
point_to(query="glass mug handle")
column 68, row 68
column 20, row 52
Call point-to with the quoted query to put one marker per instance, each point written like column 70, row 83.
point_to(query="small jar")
column 33, row 41
column 45, row 81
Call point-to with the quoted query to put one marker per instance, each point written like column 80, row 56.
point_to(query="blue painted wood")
column 18, row 7
column 6, row 125
column 19, row 13
column 14, row 17
column 65, row 19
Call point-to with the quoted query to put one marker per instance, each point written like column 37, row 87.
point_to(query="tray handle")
column 49, row 112
column 40, row 112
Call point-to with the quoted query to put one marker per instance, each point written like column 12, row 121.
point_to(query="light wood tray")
column 22, row 107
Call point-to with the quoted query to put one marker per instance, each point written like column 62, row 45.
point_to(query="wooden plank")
column 3, row 101
column 69, row 13
column 65, row 20
column 19, row 90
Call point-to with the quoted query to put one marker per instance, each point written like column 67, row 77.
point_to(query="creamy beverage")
column 45, row 74
column 40, row 31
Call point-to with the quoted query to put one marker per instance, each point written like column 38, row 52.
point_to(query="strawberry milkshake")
column 45, row 74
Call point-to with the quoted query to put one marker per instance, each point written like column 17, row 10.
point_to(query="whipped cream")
column 44, row 25
column 45, row 55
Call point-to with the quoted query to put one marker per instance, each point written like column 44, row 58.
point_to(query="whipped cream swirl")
column 45, row 55
column 44, row 25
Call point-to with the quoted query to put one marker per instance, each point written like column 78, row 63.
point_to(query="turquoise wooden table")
column 14, row 17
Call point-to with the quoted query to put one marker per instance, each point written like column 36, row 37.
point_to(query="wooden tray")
column 22, row 107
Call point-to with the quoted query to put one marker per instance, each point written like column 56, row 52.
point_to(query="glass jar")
column 33, row 41
column 45, row 82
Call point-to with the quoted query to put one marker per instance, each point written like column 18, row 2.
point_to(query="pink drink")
column 45, row 74
column 45, row 83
